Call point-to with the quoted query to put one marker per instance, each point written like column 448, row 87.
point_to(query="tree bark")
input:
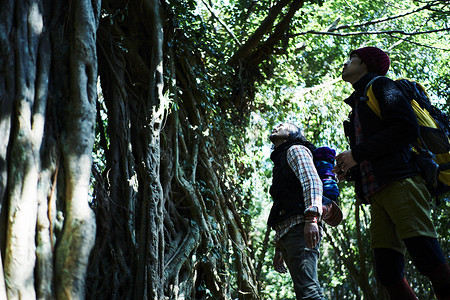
column 48, row 92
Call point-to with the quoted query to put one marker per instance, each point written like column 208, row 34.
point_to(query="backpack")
column 324, row 162
column 432, row 149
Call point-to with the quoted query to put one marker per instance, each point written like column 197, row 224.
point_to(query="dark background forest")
column 134, row 152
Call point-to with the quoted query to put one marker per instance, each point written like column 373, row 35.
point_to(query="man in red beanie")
column 386, row 177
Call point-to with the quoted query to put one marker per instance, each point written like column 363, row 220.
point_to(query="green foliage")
column 305, row 89
column 303, row 85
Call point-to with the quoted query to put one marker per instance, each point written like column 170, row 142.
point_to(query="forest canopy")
column 302, row 84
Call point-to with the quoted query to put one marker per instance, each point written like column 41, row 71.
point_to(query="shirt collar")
column 359, row 88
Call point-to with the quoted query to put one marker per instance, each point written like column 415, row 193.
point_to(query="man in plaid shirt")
column 297, row 210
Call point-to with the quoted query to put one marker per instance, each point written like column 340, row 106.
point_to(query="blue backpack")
column 324, row 162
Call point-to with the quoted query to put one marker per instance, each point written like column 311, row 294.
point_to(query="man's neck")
column 278, row 142
column 356, row 78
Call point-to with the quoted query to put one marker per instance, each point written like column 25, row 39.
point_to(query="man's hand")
column 312, row 234
column 278, row 262
column 345, row 161
column 341, row 176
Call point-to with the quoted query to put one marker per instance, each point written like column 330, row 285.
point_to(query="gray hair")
column 295, row 133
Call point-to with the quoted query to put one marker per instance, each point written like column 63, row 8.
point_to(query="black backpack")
column 432, row 149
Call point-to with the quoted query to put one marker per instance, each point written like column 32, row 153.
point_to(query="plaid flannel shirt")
column 369, row 184
column 300, row 160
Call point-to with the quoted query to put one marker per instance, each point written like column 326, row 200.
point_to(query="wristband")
column 311, row 219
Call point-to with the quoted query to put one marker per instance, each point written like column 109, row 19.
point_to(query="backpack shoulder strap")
column 369, row 96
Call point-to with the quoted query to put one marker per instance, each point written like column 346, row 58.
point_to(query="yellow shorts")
column 399, row 211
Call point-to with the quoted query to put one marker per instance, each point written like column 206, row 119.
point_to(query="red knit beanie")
column 376, row 60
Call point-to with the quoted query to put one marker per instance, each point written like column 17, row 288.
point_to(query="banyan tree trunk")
column 167, row 222
column 158, row 220
column 48, row 91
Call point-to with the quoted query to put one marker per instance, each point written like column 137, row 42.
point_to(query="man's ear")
column 364, row 66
